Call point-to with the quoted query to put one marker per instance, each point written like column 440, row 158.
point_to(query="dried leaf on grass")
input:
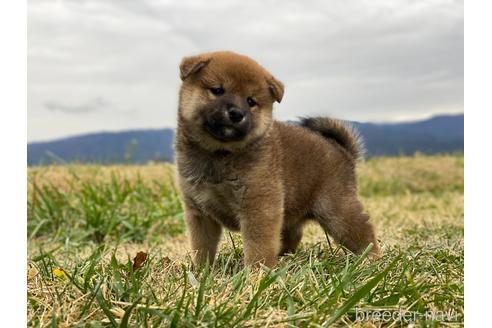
column 59, row 273
column 32, row 272
column 139, row 260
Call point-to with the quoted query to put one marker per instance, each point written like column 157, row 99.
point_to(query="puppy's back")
column 308, row 145
column 309, row 162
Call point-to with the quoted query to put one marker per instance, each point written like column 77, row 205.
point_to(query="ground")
column 86, row 225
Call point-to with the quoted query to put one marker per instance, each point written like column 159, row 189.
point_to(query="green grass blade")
column 126, row 316
column 361, row 292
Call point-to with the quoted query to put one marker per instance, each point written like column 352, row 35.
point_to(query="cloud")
column 93, row 105
column 359, row 60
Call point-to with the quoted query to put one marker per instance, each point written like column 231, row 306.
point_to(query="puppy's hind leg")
column 345, row 221
column 291, row 237
column 204, row 235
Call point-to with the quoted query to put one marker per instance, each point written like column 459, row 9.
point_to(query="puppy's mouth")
column 225, row 132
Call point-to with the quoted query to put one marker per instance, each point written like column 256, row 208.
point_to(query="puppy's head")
column 226, row 100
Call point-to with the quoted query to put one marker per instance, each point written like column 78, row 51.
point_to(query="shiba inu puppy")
column 240, row 169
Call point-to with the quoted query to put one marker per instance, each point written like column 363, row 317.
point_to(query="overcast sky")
column 113, row 65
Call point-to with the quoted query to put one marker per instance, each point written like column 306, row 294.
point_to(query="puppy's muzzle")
column 231, row 123
column 236, row 115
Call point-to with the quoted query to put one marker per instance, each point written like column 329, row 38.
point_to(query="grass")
column 87, row 223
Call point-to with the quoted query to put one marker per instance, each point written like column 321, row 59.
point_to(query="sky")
column 113, row 65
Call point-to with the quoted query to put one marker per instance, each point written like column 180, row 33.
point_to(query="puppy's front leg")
column 261, row 226
column 204, row 235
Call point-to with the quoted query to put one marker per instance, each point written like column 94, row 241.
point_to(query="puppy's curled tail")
column 339, row 131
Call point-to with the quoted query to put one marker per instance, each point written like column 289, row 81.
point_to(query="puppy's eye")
column 251, row 102
column 217, row 91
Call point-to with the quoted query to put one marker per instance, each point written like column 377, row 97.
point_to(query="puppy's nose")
column 236, row 115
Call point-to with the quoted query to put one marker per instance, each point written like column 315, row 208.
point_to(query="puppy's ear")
column 191, row 65
column 276, row 88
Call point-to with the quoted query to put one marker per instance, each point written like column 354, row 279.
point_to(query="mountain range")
column 439, row 134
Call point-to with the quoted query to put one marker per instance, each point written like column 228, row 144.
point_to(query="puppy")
column 240, row 169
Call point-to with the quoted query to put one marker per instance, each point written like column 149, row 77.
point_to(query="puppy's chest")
column 218, row 191
column 226, row 194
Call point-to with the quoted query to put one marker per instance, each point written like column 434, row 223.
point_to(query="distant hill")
column 440, row 134
column 136, row 146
